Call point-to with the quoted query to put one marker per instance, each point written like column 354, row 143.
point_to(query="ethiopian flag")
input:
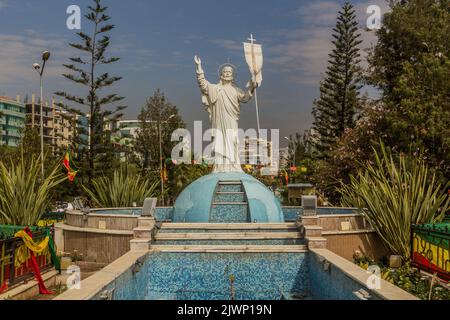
column 72, row 170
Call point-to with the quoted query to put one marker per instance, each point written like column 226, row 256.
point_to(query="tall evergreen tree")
column 338, row 103
column 158, row 113
column 410, row 64
column 84, row 70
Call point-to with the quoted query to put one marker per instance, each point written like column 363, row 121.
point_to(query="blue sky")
column 157, row 40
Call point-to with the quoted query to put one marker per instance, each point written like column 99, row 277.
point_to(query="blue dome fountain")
column 231, row 197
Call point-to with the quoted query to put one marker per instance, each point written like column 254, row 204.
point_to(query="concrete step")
column 229, row 236
column 228, row 182
column 229, row 197
column 231, row 192
column 142, row 232
column 310, row 220
column 140, row 244
column 317, row 242
column 229, row 203
column 312, row 231
column 146, row 222
column 219, row 242
column 227, row 227
column 228, row 248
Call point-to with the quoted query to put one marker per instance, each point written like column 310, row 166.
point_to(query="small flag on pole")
column 72, row 170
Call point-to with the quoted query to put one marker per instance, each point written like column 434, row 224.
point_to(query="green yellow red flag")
column 72, row 170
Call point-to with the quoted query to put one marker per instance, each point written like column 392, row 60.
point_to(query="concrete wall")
column 345, row 244
column 350, row 232
column 99, row 238
column 99, row 246
column 101, row 221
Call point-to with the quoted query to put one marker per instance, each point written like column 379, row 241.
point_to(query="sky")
column 157, row 40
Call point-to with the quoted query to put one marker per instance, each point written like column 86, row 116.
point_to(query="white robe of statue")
column 222, row 101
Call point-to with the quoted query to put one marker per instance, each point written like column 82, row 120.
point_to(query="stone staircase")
column 310, row 227
column 228, row 237
column 224, row 237
column 230, row 203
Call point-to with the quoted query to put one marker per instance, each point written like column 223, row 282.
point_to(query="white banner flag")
column 254, row 58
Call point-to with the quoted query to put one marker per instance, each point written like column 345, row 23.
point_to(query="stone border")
column 342, row 215
column 93, row 214
column 339, row 232
column 93, row 230
column 91, row 286
column 388, row 291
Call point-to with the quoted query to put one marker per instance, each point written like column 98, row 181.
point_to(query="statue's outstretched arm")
column 202, row 82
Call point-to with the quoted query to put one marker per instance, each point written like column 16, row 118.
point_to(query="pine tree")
column 338, row 103
column 84, row 71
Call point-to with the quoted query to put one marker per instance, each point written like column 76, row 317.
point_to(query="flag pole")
column 257, row 110
column 252, row 40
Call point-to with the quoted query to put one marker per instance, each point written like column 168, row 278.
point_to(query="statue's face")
column 227, row 73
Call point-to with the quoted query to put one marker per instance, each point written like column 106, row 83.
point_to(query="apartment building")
column 12, row 121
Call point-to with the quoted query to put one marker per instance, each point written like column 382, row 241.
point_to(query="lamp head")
column 36, row 66
column 45, row 55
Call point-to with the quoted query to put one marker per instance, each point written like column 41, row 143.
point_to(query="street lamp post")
column 161, row 155
column 40, row 71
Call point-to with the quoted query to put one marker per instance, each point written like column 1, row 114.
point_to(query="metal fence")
column 12, row 274
column 431, row 248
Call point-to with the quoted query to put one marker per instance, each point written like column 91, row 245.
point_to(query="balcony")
column 14, row 113
column 13, row 134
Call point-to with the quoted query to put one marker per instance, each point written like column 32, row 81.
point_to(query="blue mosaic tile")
column 164, row 213
column 258, row 276
column 229, row 188
column 229, row 197
column 206, row 275
column 332, row 284
column 229, row 213
column 291, row 214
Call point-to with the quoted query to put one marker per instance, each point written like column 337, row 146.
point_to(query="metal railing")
column 11, row 274
column 430, row 249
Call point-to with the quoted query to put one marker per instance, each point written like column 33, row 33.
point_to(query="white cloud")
column 303, row 53
column 18, row 53
column 228, row 44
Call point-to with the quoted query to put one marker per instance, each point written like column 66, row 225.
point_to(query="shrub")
column 121, row 190
column 24, row 195
column 395, row 194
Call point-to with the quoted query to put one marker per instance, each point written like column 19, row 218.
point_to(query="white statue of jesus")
column 222, row 102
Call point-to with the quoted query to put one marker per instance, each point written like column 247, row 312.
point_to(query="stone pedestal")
column 143, row 234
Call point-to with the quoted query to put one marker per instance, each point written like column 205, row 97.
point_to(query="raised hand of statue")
column 252, row 85
column 198, row 62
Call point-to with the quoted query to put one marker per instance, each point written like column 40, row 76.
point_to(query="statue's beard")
column 227, row 79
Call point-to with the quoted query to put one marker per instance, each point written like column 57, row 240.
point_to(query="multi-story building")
column 128, row 129
column 257, row 152
column 50, row 119
column 12, row 121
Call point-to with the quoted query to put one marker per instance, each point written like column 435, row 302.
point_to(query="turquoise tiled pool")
column 233, row 276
